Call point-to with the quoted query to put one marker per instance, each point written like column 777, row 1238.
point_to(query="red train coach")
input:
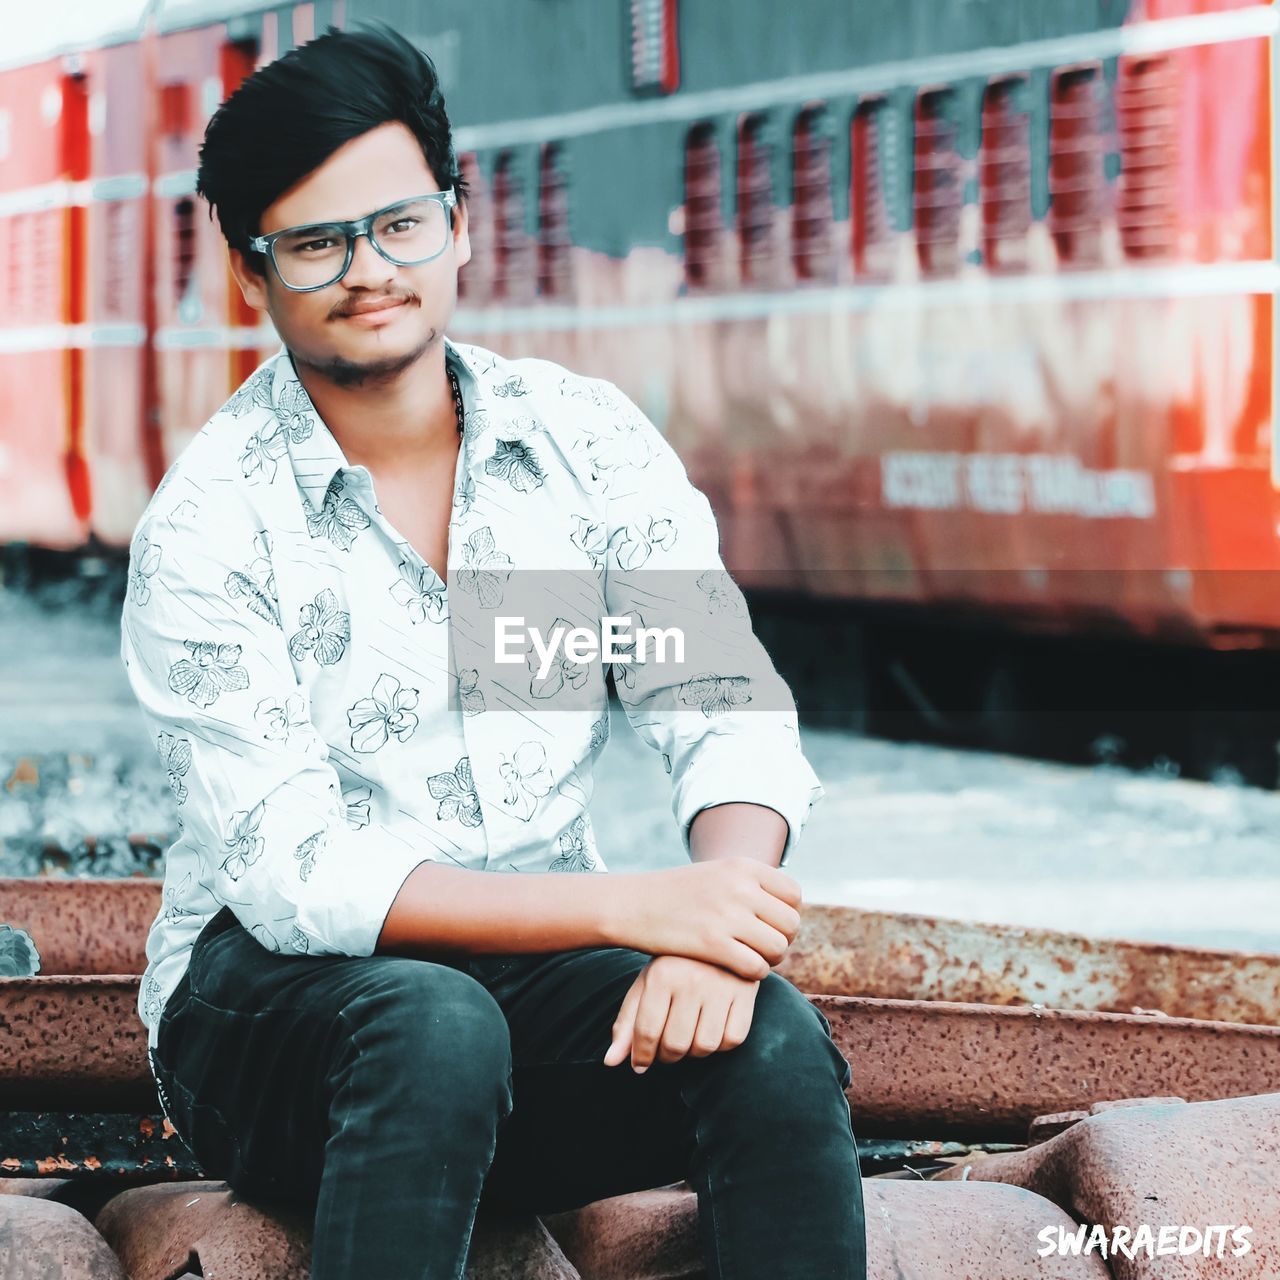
column 117, row 337
column 974, row 309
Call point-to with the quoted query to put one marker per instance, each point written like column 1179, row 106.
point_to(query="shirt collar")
column 315, row 454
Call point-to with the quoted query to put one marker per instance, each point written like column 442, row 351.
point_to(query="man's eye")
column 303, row 248
column 406, row 223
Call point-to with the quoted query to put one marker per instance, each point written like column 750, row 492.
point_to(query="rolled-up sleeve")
column 259, row 801
column 723, row 719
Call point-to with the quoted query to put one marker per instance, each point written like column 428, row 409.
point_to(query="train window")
column 702, row 222
column 18, row 240
column 1146, row 111
column 937, row 193
column 175, row 110
column 1004, row 174
column 1077, row 180
column 119, row 240
column 474, row 278
column 512, row 279
column 553, row 224
column 73, row 127
column 304, row 23
column 236, row 60
column 811, row 249
column 755, row 201
column 869, row 210
column 47, row 269
column 655, row 49
column 184, row 244
column 70, row 231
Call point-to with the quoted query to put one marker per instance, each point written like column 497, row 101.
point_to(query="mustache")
column 354, row 305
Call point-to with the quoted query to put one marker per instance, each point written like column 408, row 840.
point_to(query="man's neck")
column 389, row 424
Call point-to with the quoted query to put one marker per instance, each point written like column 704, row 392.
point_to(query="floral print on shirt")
column 324, row 631
column 386, row 713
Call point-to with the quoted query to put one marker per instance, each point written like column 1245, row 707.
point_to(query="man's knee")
column 789, row 1042
column 433, row 1024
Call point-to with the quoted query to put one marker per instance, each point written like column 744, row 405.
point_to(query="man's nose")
column 368, row 269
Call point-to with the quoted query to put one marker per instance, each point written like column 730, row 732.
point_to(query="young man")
column 341, row 1004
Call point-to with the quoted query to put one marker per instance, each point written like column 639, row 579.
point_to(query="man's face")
column 319, row 329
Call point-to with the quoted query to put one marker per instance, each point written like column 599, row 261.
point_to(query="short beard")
column 372, row 373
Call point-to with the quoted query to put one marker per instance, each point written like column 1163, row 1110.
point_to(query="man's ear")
column 461, row 235
column 252, row 285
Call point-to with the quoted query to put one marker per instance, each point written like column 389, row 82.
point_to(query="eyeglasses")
column 406, row 233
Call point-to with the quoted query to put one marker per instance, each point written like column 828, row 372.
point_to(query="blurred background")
column 962, row 315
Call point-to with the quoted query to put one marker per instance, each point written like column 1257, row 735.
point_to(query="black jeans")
column 395, row 1093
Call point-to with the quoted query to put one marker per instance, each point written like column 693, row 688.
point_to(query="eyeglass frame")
column 352, row 229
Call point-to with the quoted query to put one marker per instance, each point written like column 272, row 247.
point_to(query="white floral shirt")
column 330, row 715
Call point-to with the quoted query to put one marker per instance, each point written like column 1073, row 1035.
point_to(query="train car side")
column 972, row 314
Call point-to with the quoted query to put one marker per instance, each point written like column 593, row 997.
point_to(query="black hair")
column 289, row 117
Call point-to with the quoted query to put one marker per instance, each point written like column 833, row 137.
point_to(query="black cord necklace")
column 457, row 396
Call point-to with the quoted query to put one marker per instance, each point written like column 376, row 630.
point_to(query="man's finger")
column 682, row 1021
column 651, row 1017
column 781, row 885
column 710, row 1029
column 746, row 963
column 623, row 1025
column 738, row 1024
column 620, row 1047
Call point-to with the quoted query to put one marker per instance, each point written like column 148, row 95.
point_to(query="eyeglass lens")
column 412, row 232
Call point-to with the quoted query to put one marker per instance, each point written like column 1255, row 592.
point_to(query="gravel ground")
column 904, row 827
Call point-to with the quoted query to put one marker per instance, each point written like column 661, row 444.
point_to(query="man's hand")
column 679, row 1006
column 736, row 913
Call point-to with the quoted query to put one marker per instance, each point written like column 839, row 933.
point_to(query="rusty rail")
column 975, row 1071
column 86, row 926
column 83, row 926
column 73, row 1043
column 851, row 952
column 947, row 1070
column 950, row 1027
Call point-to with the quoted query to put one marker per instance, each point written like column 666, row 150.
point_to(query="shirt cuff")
column 349, row 893
column 725, row 771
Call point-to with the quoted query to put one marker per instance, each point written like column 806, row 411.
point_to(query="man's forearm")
column 738, row 830
column 451, row 909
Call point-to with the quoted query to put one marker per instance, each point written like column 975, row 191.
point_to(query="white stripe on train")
column 1192, row 280
column 63, row 194
column 57, row 337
